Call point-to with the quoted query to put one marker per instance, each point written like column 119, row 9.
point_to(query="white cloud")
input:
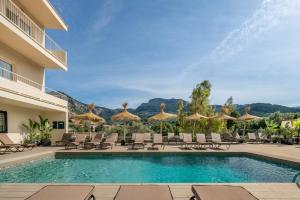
column 104, row 17
column 270, row 14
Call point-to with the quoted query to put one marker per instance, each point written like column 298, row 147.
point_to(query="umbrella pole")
column 194, row 129
column 244, row 132
column 161, row 127
column 124, row 134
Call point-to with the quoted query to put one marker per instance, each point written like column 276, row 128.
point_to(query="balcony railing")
column 4, row 73
column 16, row 16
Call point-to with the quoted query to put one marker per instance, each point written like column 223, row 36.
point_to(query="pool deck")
column 264, row 191
column 268, row 191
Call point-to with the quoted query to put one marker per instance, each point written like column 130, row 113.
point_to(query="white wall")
column 17, row 115
column 22, row 65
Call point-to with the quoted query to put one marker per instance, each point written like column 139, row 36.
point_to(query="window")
column 6, row 70
column 3, row 122
column 58, row 125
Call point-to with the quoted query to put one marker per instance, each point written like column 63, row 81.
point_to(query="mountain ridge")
column 147, row 109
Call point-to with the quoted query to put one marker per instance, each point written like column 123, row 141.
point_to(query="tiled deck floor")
column 265, row 191
column 283, row 191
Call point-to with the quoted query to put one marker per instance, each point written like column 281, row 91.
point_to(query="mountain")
column 151, row 107
column 263, row 109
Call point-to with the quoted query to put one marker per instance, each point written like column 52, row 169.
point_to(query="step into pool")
column 150, row 168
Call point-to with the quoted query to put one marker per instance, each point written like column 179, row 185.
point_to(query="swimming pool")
column 149, row 168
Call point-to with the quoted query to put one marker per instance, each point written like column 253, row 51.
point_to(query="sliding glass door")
column 6, row 70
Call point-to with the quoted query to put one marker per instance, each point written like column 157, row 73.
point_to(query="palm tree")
column 31, row 132
column 296, row 125
column 44, row 128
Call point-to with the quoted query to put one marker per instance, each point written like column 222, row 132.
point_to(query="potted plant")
column 31, row 131
column 271, row 130
column 287, row 135
column 45, row 131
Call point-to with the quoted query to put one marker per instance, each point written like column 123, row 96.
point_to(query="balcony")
column 12, row 13
column 22, row 89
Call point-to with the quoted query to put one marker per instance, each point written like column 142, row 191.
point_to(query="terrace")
column 26, row 26
column 27, row 88
column 266, row 191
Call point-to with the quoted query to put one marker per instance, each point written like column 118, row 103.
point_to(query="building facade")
column 26, row 51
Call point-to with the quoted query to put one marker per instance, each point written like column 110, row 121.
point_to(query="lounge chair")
column 157, row 140
column 263, row 138
column 95, row 142
column 220, row 192
column 66, row 137
column 64, row 192
column 171, row 138
column 217, row 142
column 79, row 139
column 147, row 138
column 132, row 137
column 144, row 192
column 252, row 138
column 187, row 141
column 9, row 145
column 110, row 141
column 201, row 141
column 138, row 140
column 180, row 139
column 238, row 138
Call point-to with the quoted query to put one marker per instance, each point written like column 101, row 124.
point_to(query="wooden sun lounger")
column 221, row 192
column 95, row 142
column 9, row 145
column 138, row 140
column 66, row 137
column 201, row 141
column 110, row 140
column 64, row 192
column 80, row 138
column 263, row 138
column 171, row 138
column 157, row 140
column 144, row 192
column 252, row 138
column 187, row 141
column 217, row 142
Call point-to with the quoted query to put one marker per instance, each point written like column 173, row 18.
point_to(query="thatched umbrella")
column 247, row 117
column 162, row 116
column 89, row 116
column 125, row 117
column 223, row 116
column 194, row 118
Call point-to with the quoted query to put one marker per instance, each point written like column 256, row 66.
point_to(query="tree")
column 296, row 124
column 181, row 114
column 271, row 127
column 200, row 98
column 229, row 105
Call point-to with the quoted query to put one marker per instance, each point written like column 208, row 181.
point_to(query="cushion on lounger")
column 63, row 192
column 144, row 192
column 221, row 192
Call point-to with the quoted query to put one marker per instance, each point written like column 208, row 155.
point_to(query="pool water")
column 149, row 168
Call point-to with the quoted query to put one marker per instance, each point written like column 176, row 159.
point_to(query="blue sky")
column 134, row 50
